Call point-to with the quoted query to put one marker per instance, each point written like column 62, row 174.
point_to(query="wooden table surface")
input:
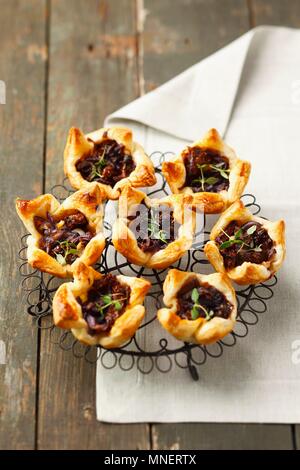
column 71, row 62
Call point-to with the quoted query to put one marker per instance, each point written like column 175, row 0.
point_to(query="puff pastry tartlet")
column 100, row 309
column 200, row 308
column 108, row 156
column 247, row 248
column 153, row 232
column 209, row 170
column 62, row 234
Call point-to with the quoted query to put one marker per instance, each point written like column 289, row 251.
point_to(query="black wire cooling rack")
column 162, row 351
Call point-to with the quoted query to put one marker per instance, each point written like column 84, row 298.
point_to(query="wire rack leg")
column 192, row 369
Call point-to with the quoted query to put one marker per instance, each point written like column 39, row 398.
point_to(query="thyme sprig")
column 237, row 240
column 202, row 180
column 154, row 230
column 107, row 302
column 195, row 312
column 232, row 240
column 69, row 248
column 223, row 171
column 98, row 166
column 211, row 179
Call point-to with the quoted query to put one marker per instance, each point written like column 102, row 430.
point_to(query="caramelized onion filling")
column 108, row 163
column 106, row 302
column 197, row 299
column 206, row 170
column 249, row 242
column 63, row 239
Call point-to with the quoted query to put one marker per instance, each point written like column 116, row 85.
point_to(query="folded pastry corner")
column 153, row 232
column 108, row 156
column 200, row 308
column 249, row 249
column 210, row 171
column 100, row 308
column 63, row 234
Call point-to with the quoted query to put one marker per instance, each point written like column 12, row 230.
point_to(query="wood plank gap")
column 297, row 436
column 251, row 13
column 140, row 17
column 294, row 438
column 46, row 91
column 150, row 436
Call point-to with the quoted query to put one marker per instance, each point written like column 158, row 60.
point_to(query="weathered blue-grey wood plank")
column 276, row 12
column 222, row 436
column 23, row 58
column 93, row 71
column 178, row 33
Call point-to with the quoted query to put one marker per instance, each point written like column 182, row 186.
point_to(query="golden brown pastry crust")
column 198, row 331
column 89, row 201
column 210, row 203
column 247, row 273
column 125, row 241
column 79, row 144
column 67, row 311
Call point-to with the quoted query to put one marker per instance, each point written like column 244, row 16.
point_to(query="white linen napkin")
column 249, row 91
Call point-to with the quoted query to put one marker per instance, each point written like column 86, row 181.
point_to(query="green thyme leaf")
column 155, row 232
column 231, row 242
column 251, row 229
column 203, row 181
column 101, row 162
column 94, row 173
column 238, row 234
column 118, row 305
column 195, row 313
column 98, row 166
column 106, row 299
column 69, row 249
column 66, row 244
column 73, row 251
column 226, row 244
column 211, row 180
column 235, row 239
column 195, row 295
